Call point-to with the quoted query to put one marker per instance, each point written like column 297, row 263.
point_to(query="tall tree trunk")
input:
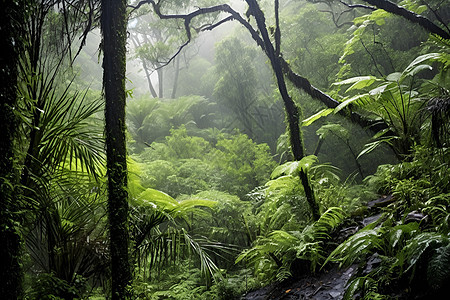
column 114, row 28
column 160, row 82
column 292, row 112
column 10, row 239
column 175, row 80
column 135, row 41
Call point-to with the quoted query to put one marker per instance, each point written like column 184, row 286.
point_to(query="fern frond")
column 356, row 247
column 417, row 246
column 438, row 272
column 329, row 220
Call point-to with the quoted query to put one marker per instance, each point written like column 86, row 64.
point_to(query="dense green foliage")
column 216, row 206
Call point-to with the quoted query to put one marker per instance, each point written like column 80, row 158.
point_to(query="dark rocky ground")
column 331, row 283
column 327, row 285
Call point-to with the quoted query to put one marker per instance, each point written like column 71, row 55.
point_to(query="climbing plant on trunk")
column 114, row 29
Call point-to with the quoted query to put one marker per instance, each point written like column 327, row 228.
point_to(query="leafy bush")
column 151, row 120
column 243, row 163
column 47, row 286
column 186, row 164
column 273, row 254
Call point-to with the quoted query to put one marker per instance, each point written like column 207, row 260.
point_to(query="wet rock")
column 373, row 262
column 327, row 285
column 381, row 202
column 334, row 294
column 371, row 219
column 416, row 216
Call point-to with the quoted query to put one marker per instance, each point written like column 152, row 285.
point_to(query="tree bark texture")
column 114, row 26
column 10, row 239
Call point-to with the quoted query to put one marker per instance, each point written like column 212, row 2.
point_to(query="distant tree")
column 114, row 29
column 153, row 47
column 236, row 88
column 154, row 40
column 263, row 39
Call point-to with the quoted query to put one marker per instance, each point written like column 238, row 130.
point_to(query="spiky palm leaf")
column 159, row 233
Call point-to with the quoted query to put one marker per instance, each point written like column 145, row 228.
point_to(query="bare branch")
column 357, row 5
column 212, row 26
column 336, row 21
column 300, row 82
column 277, row 29
column 138, row 5
column 410, row 16
column 233, row 15
column 438, row 17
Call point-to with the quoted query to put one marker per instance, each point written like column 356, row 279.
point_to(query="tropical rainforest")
column 225, row 149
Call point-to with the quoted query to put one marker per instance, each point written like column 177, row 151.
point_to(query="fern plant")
column 273, row 254
column 402, row 249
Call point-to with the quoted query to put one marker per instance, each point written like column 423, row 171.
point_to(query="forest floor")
column 327, row 285
column 331, row 283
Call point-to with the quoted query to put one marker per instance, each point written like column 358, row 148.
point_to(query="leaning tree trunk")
column 10, row 239
column 114, row 28
column 411, row 16
column 293, row 115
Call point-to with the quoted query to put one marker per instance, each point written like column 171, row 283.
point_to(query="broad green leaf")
column 380, row 133
column 420, row 59
column 372, row 146
column 288, row 168
column 292, row 168
column 378, row 90
column 306, row 162
column 355, row 80
column 362, row 83
column 349, row 101
column 418, row 69
column 190, row 203
column 394, row 76
column 323, row 113
column 158, row 198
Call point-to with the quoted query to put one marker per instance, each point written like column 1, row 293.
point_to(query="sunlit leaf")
column 356, row 99
column 394, row 76
column 420, row 59
column 418, row 69
column 323, row 113
column 372, row 146
column 158, row 198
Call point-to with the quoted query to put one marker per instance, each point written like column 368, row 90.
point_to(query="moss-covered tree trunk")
column 293, row 115
column 114, row 26
column 10, row 239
